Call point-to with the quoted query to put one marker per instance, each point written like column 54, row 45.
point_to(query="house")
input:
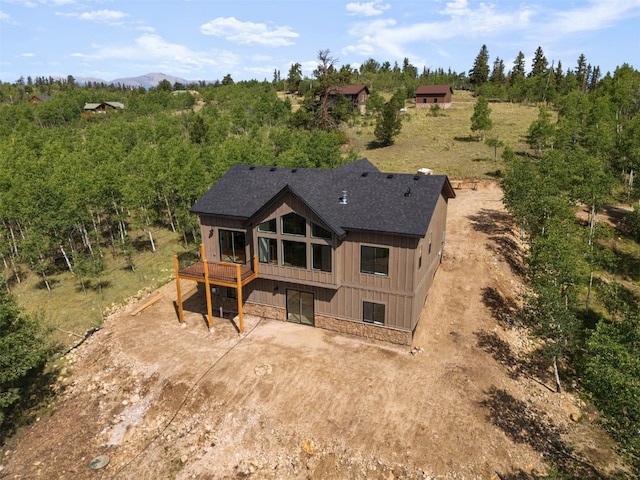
column 350, row 249
column 40, row 98
column 102, row 107
column 357, row 95
column 428, row 95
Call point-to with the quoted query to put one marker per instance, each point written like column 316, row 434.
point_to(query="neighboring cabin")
column 428, row 95
column 351, row 249
column 102, row 107
column 357, row 95
column 40, row 98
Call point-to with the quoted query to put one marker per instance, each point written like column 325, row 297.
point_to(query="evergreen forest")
column 78, row 190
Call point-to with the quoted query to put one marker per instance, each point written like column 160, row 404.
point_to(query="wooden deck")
column 223, row 274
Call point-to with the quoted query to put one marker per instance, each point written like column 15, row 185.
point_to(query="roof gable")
column 375, row 201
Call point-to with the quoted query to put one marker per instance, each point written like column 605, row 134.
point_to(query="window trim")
column 242, row 251
column 374, row 306
column 284, row 256
column 275, row 225
column 284, row 232
column 270, row 259
column 322, row 246
column 314, row 235
column 375, row 270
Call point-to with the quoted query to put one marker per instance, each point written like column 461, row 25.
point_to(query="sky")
column 251, row 39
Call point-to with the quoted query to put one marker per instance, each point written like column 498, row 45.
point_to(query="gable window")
column 294, row 224
column 321, row 257
column 374, row 260
column 318, row 232
column 294, row 254
column 267, row 250
column 232, row 246
column 373, row 313
column 269, row 226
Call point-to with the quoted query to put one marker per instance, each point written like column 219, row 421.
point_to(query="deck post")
column 176, row 267
column 207, row 286
column 239, row 292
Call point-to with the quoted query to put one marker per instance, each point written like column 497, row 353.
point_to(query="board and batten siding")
column 290, row 203
column 343, row 303
column 424, row 275
column 210, row 227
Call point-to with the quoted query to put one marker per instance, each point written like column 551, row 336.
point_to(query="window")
column 232, row 293
column 373, row 313
column 424, row 100
column 232, row 246
column 374, row 260
column 267, row 250
column 294, row 254
column 430, row 240
column 321, row 257
column 294, row 224
column 435, row 100
column 318, row 232
column 269, row 226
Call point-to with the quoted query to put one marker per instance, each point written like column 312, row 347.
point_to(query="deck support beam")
column 207, row 284
column 176, row 268
column 239, row 292
column 226, row 281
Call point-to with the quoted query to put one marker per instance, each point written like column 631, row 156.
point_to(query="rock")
column 308, row 446
column 575, row 416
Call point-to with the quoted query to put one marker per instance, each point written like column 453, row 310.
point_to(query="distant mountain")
column 147, row 81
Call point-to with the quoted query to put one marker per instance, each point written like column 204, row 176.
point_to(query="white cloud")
column 102, row 16
column 367, row 9
column 382, row 38
column 23, row 3
column 456, row 8
column 153, row 50
column 27, row 55
column 598, row 14
column 248, row 33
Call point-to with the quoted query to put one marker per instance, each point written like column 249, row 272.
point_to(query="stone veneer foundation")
column 350, row 327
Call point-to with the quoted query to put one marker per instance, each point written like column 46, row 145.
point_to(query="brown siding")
column 289, row 204
column 209, row 231
column 430, row 261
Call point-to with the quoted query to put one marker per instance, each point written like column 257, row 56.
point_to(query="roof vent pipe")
column 343, row 198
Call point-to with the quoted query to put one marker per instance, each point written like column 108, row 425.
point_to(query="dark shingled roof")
column 376, row 201
column 433, row 89
column 348, row 89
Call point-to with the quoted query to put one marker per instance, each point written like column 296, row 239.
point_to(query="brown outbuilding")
column 428, row 95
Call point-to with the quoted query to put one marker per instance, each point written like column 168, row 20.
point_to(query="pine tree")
column 539, row 64
column 518, row 67
column 581, row 72
column 479, row 74
column 497, row 73
column 480, row 120
column 389, row 123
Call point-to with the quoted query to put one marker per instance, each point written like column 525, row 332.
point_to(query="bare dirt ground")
column 287, row 401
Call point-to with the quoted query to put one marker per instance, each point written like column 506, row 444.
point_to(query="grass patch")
column 68, row 309
column 444, row 143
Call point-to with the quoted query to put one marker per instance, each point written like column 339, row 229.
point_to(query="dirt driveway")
column 287, row 401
